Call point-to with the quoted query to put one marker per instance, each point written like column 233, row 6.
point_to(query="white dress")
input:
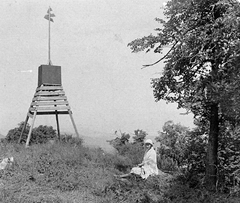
column 149, row 165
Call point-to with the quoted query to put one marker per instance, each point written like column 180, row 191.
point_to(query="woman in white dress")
column 148, row 166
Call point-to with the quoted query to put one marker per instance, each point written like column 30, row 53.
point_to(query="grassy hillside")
column 54, row 173
column 69, row 173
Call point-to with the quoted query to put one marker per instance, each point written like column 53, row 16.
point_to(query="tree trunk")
column 211, row 165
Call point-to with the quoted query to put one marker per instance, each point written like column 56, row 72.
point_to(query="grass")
column 68, row 173
column 53, row 173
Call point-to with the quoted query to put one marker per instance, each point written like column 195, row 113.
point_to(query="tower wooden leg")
column 24, row 126
column 30, row 131
column 75, row 128
column 58, row 129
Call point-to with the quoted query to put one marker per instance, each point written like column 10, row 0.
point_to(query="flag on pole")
column 49, row 15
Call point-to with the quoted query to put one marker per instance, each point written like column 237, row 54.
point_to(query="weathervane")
column 49, row 18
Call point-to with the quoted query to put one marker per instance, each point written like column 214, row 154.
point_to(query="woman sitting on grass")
column 149, row 164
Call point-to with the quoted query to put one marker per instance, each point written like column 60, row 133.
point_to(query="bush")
column 40, row 134
column 129, row 153
column 166, row 163
column 132, row 151
column 14, row 134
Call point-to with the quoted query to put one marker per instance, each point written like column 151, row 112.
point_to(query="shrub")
column 132, row 151
column 40, row 134
column 166, row 163
column 13, row 135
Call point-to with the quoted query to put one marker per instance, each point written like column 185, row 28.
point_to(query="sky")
column 106, row 87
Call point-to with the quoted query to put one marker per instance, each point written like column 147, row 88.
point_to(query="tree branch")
column 145, row 66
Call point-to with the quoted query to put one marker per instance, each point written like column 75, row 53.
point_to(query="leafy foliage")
column 173, row 142
column 139, row 137
column 119, row 142
column 201, row 67
column 40, row 134
column 131, row 152
column 14, row 134
column 196, row 152
column 202, row 60
column 229, row 159
column 182, row 149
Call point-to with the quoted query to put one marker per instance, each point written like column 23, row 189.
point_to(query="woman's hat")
column 148, row 141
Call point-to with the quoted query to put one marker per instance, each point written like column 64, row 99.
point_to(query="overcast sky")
column 104, row 83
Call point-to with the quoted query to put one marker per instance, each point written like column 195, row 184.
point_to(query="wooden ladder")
column 48, row 100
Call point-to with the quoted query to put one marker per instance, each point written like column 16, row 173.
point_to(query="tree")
column 173, row 141
column 201, row 63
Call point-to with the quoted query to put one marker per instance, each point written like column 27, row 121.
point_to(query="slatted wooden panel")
column 46, row 103
column 49, row 93
column 40, row 98
column 48, row 108
column 49, row 99
column 49, row 88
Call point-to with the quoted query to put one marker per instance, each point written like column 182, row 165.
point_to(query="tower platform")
column 48, row 100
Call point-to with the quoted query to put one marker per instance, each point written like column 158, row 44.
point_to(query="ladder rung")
column 51, row 112
column 48, row 93
column 44, row 103
column 38, row 98
column 39, row 108
column 30, row 115
column 49, row 88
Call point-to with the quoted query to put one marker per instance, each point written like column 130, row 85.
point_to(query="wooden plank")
column 49, row 98
column 49, row 88
column 30, row 115
column 39, row 108
column 74, row 125
column 43, row 103
column 47, row 93
column 31, row 109
column 30, row 131
column 51, row 112
column 24, row 126
column 58, row 129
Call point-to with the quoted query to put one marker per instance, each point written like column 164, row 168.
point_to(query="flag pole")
column 49, row 16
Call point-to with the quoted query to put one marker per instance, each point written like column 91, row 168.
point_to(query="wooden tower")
column 49, row 99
